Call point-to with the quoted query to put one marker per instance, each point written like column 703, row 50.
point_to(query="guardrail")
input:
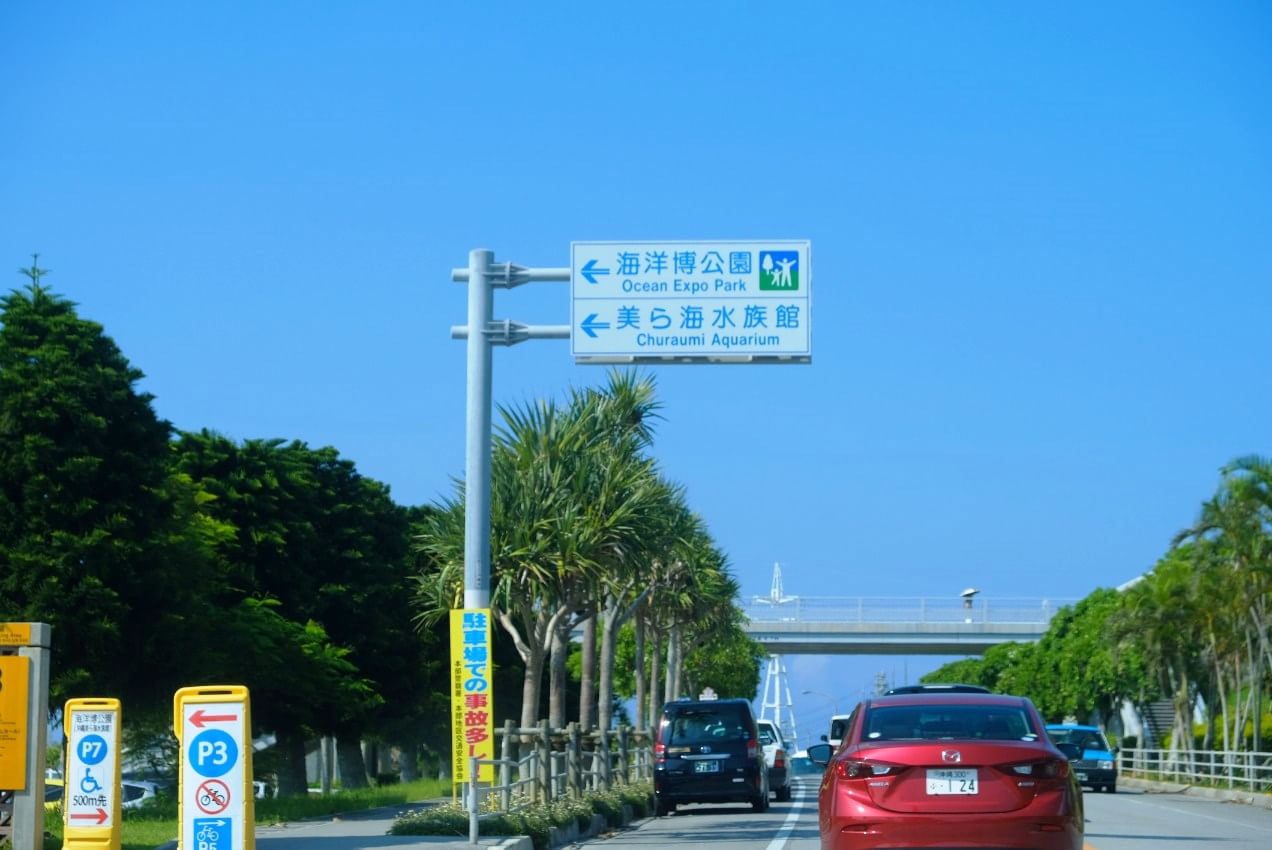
column 557, row 763
column 922, row 609
column 1249, row 771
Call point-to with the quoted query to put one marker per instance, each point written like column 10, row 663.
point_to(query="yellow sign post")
column 91, row 800
column 15, row 698
column 216, row 808
column 15, row 634
column 472, row 709
column 24, row 711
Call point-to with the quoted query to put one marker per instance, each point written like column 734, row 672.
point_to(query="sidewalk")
column 365, row 830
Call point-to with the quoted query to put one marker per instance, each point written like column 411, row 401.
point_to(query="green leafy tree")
column 316, row 568
column 91, row 533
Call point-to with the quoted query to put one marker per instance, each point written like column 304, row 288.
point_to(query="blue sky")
column 1040, row 238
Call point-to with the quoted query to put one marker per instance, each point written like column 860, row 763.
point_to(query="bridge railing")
column 921, row 609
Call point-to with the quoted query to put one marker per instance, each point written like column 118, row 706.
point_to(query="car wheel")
column 1111, row 788
column 662, row 808
column 784, row 794
column 760, row 803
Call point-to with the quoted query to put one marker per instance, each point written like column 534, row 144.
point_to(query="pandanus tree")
column 568, row 495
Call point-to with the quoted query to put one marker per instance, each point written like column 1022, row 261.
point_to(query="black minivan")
column 708, row 751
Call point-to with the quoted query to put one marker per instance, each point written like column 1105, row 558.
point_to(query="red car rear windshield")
column 948, row 722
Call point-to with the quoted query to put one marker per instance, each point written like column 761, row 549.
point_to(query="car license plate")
column 711, row 766
column 945, row 781
column 1082, row 777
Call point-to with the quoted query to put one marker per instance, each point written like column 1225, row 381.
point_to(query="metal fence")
column 1247, row 771
column 922, row 609
column 540, row 764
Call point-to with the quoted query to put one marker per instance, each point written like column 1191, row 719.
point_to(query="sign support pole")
column 478, row 434
column 482, row 332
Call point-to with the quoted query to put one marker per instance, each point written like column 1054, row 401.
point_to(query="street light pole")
column 833, row 700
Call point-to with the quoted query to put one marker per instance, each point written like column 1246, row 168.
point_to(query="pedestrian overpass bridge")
column 863, row 625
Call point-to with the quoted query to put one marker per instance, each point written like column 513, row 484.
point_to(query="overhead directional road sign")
column 691, row 302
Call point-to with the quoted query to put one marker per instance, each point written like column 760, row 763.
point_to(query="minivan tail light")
column 861, row 769
column 779, row 758
column 660, row 751
column 752, row 748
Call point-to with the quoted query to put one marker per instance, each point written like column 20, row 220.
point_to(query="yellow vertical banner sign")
column 15, row 695
column 472, row 697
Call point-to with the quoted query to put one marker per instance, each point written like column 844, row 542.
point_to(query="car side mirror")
column 1071, row 751
column 824, row 738
column 820, row 754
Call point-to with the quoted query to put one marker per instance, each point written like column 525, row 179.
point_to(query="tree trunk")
column 353, row 769
column 655, row 678
column 408, row 762
column 588, row 712
column 641, row 709
column 605, row 699
column 292, row 781
column 675, row 664
column 557, row 674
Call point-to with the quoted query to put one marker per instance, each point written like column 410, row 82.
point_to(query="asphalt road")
column 1128, row 820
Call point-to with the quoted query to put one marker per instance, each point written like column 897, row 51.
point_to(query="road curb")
column 1263, row 801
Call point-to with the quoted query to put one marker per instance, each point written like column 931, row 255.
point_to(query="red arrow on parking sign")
column 100, row 816
column 199, row 718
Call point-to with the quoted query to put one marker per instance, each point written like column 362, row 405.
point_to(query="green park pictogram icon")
column 779, row 271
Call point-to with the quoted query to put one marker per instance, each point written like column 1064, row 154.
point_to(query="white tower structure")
column 777, row 689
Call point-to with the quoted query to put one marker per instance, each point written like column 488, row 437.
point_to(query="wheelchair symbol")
column 89, row 784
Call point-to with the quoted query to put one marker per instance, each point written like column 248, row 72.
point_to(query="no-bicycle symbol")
column 213, row 797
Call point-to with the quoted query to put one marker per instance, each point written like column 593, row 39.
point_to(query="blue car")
column 1097, row 769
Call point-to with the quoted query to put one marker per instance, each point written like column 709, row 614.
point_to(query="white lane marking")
column 1192, row 814
column 788, row 825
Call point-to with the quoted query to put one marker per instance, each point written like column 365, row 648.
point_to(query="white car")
column 775, row 755
column 136, row 793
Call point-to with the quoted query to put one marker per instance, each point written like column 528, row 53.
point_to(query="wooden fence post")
column 505, row 769
column 623, row 754
column 607, row 767
column 545, row 746
column 574, row 761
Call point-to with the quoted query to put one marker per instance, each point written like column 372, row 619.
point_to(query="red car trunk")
column 956, row 777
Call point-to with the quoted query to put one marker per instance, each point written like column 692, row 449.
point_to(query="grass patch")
column 156, row 823
column 533, row 820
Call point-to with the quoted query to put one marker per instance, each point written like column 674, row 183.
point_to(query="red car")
column 948, row 770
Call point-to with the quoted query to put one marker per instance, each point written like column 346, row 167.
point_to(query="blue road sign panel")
column 213, row 834
column 213, row 753
column 691, row 301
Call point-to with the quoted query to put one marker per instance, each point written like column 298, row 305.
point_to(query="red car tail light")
column 860, row 769
column 779, row 758
column 1049, row 769
column 752, row 748
column 660, row 751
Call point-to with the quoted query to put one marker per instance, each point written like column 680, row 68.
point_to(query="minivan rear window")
column 694, row 725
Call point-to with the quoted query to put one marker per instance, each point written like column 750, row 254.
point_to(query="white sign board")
column 212, row 776
column 92, row 768
column 691, row 301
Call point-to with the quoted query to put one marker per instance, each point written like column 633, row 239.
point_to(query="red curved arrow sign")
column 199, row 718
column 100, row 817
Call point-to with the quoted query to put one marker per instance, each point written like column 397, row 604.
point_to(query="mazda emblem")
column 951, row 756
